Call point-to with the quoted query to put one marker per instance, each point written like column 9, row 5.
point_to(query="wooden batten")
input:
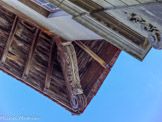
column 10, row 39
column 50, row 66
column 92, row 54
column 31, row 53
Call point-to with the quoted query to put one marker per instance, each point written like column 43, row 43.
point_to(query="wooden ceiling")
column 31, row 55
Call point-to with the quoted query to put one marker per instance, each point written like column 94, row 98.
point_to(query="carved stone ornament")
column 67, row 58
column 154, row 35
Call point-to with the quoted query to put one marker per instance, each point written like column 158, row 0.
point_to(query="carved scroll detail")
column 154, row 35
column 67, row 58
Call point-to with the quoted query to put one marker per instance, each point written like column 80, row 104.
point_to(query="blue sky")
column 131, row 93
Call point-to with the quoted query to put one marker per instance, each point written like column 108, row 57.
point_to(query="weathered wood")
column 6, row 12
column 50, row 66
column 37, row 75
column 15, row 58
column 85, row 60
column 28, row 25
column 13, row 67
column 37, row 64
column 58, row 97
column 18, row 54
column 91, row 53
column 45, row 65
column 3, row 34
column 18, row 51
column 42, row 50
column 39, row 70
column 10, row 39
column 1, row 51
column 21, row 44
column 2, row 42
column 49, row 93
column 46, row 37
column 43, row 44
column 41, row 59
column 96, row 86
column 18, row 13
column 99, row 70
column 32, row 50
column 95, row 66
column 4, row 23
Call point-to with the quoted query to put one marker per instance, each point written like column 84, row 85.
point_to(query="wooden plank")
column 94, row 68
column 84, row 59
column 50, row 67
column 107, row 54
column 31, row 53
column 96, row 86
column 15, row 59
column 3, row 34
column 92, row 54
column 1, row 51
column 9, row 41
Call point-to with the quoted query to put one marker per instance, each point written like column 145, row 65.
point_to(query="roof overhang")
column 69, row 73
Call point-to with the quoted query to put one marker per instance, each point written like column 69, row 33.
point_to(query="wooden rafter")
column 31, row 53
column 50, row 67
column 9, row 40
column 92, row 54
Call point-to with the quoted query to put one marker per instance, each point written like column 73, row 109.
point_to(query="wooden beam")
column 92, row 54
column 31, row 53
column 9, row 41
column 50, row 67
